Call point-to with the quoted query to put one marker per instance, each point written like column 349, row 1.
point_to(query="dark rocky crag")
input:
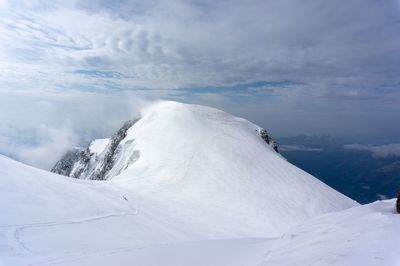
column 83, row 164
column 109, row 158
column 66, row 164
column 268, row 139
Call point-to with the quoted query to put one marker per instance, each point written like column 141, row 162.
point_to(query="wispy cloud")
column 41, row 146
column 180, row 44
column 377, row 151
column 298, row 148
column 290, row 65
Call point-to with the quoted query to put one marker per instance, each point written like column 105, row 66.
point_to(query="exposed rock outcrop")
column 96, row 160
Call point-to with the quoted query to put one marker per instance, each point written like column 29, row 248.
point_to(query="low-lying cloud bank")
column 378, row 150
column 40, row 146
column 298, row 148
column 41, row 128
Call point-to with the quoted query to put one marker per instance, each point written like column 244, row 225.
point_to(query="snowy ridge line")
column 53, row 223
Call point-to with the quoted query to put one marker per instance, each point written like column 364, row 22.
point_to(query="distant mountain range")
column 357, row 173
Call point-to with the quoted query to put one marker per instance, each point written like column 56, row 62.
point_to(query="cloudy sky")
column 73, row 70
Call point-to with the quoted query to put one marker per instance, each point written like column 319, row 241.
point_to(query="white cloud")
column 377, row 151
column 381, row 197
column 40, row 128
column 335, row 52
column 43, row 147
column 179, row 44
column 3, row 4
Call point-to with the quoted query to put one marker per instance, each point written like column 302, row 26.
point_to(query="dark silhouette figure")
column 398, row 203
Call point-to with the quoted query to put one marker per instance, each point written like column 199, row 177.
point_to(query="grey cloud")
column 381, row 197
column 377, row 151
column 344, row 56
column 298, row 148
column 46, row 146
column 183, row 43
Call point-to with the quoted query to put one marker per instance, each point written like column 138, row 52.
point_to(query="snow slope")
column 191, row 156
column 48, row 219
column 187, row 174
column 363, row 235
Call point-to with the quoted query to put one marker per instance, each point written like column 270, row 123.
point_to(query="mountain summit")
column 195, row 157
column 105, row 158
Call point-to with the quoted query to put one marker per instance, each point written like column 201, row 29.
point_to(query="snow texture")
column 190, row 185
column 364, row 235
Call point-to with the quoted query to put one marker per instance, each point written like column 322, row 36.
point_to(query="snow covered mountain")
column 181, row 173
column 104, row 158
column 191, row 156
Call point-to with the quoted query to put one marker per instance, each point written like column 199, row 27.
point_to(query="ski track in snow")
column 18, row 228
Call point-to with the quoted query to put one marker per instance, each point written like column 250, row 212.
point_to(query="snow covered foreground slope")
column 52, row 220
column 363, row 235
